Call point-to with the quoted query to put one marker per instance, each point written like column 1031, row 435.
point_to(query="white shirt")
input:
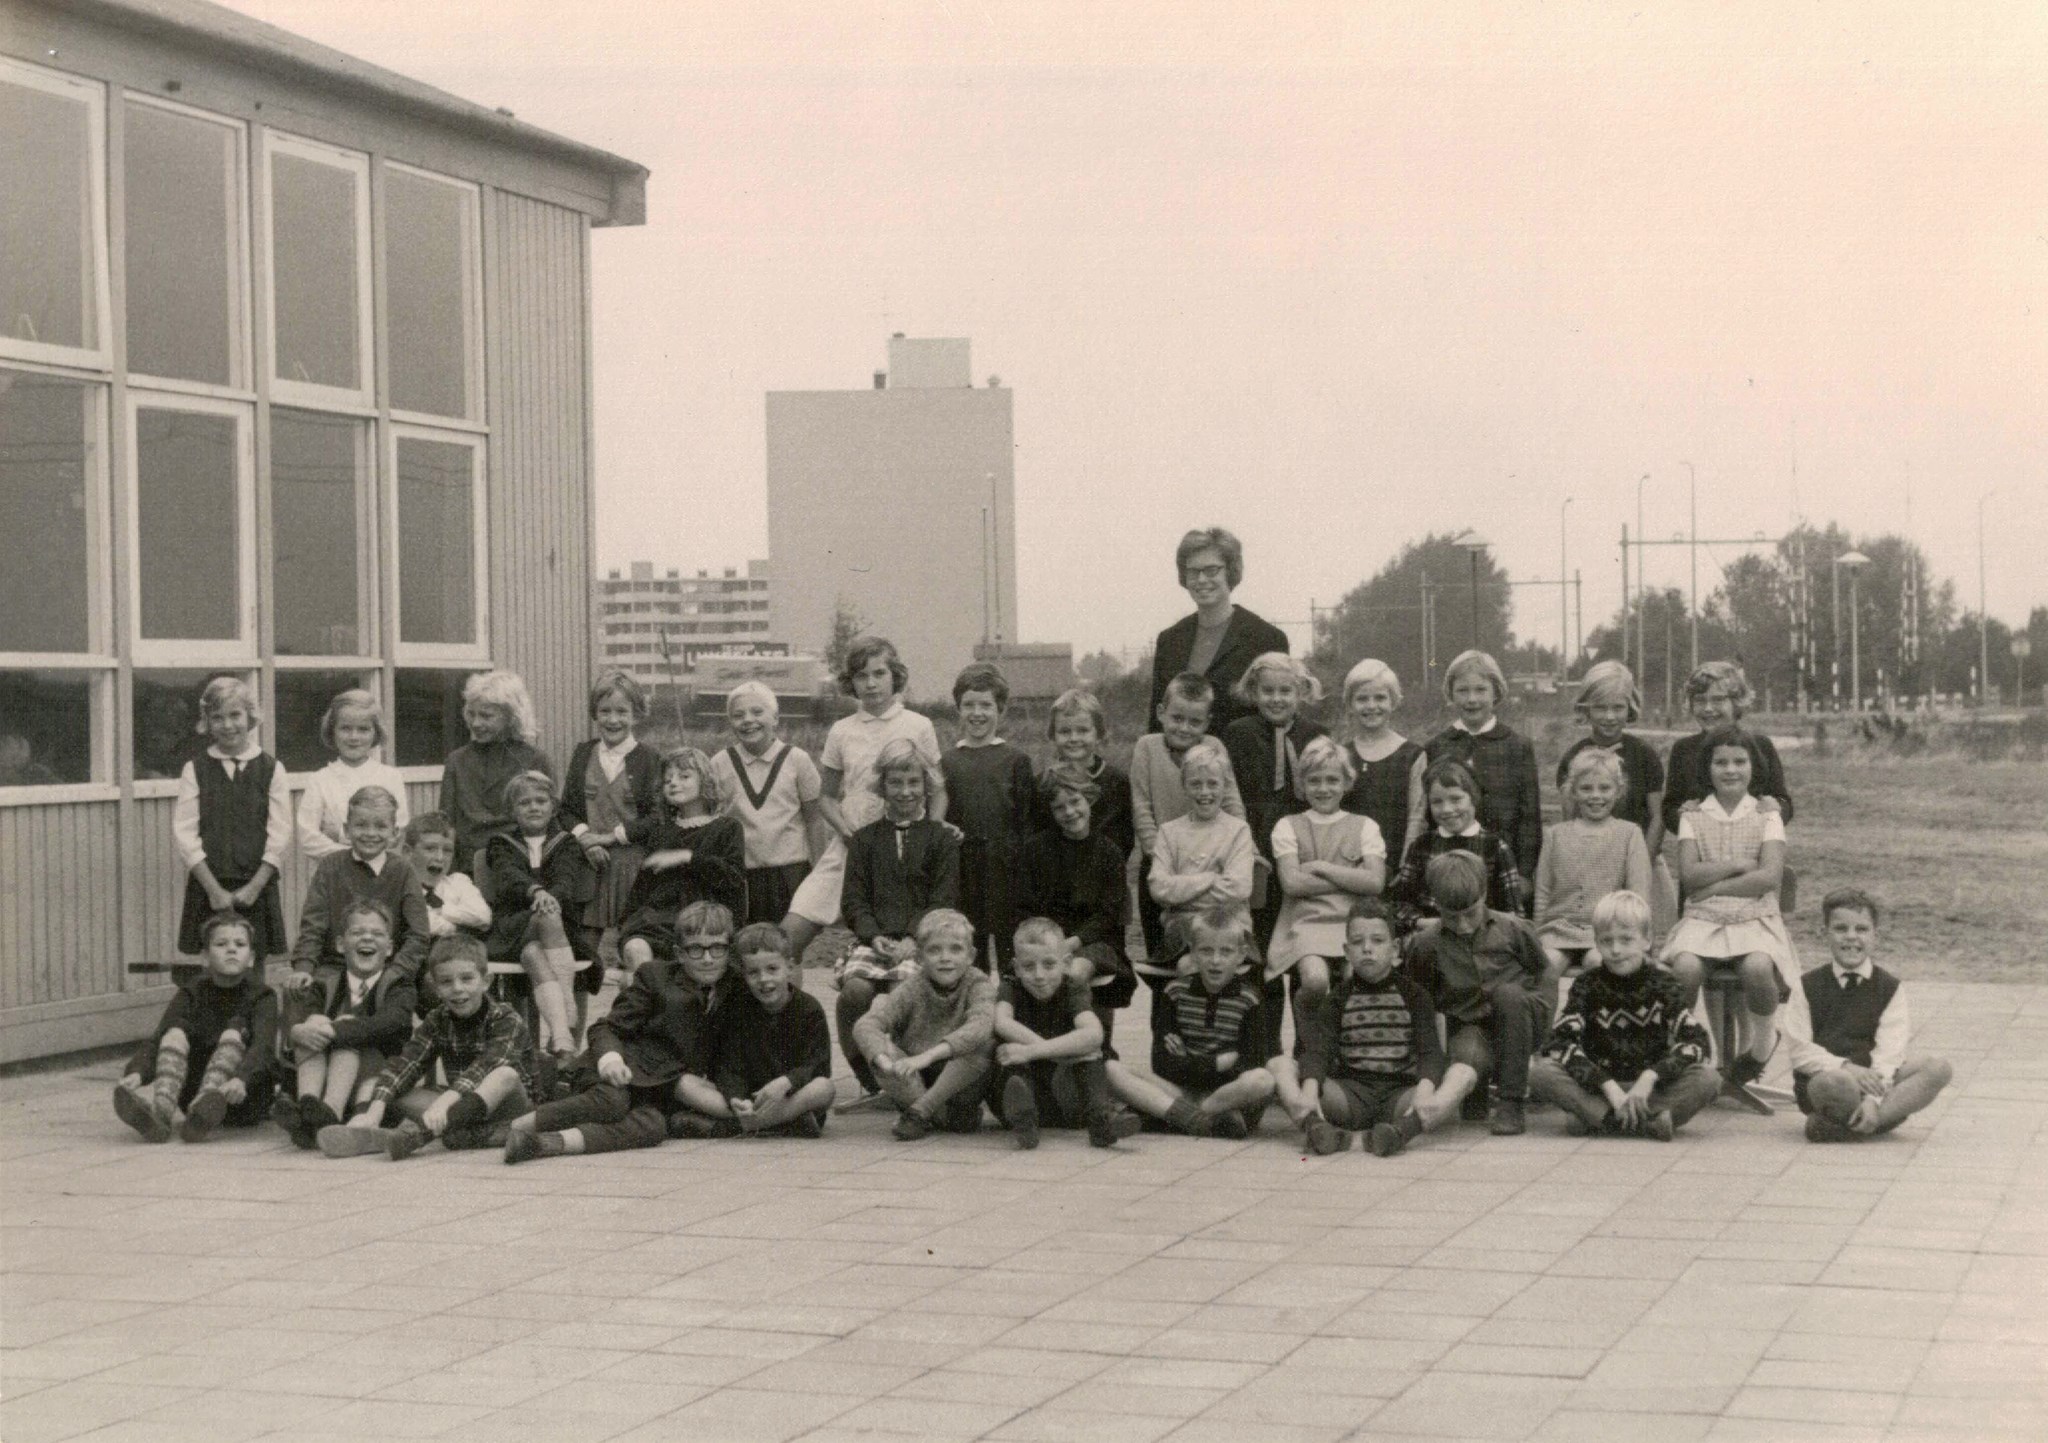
column 611, row 760
column 323, row 805
column 774, row 831
column 462, row 905
column 852, row 746
column 1894, row 1029
column 359, row 987
column 277, row 827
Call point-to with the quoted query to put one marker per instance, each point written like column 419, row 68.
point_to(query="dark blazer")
column 386, row 1022
column 661, row 1024
column 885, row 896
column 1246, row 638
column 643, row 770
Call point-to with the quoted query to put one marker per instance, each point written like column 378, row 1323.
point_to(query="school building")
column 898, row 502
column 295, row 383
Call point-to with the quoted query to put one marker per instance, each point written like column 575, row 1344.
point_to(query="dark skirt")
column 266, row 917
column 656, row 926
column 770, row 890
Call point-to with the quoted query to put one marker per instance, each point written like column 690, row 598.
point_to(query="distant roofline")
column 265, row 47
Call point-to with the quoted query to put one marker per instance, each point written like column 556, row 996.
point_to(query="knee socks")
column 171, row 1062
column 225, row 1062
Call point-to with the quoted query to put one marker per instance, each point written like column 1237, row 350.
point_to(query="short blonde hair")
column 1219, row 921
column 944, row 922
column 1621, row 907
column 895, row 756
column 1208, row 752
column 1079, row 701
column 223, row 690
column 1606, row 682
column 1247, row 688
column 1587, row 761
column 1474, row 660
column 1322, row 754
column 1727, row 675
column 356, row 700
column 533, row 780
column 507, row 691
column 751, row 690
column 1371, row 672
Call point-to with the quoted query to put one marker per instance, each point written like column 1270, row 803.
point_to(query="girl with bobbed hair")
column 1388, row 788
column 352, row 729
column 1220, row 639
column 611, row 782
column 1718, row 695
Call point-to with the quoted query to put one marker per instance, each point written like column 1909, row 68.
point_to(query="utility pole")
column 1565, row 655
column 1693, row 550
column 1625, row 599
column 1578, row 615
column 1642, row 598
column 1983, row 609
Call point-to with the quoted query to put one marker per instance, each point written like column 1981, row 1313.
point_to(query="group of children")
column 1404, row 902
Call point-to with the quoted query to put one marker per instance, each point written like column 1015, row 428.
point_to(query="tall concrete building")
column 650, row 623
column 899, row 502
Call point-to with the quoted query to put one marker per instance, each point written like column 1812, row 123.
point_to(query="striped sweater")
column 1208, row 1024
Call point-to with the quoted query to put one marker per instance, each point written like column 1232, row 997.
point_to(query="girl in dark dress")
column 232, row 823
column 692, row 853
column 1389, row 784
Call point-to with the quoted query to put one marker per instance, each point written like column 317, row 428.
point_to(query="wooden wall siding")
column 59, row 912
column 537, row 323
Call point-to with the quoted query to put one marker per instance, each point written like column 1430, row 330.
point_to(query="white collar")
column 1841, row 972
column 889, row 713
column 359, row 986
column 375, row 864
column 1472, row 829
column 1742, row 808
column 1491, row 723
column 767, row 758
column 964, row 744
column 607, row 749
column 251, row 750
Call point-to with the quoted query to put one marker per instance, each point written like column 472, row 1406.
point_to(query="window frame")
column 476, row 418
column 100, row 650
column 100, row 355
column 309, row 395
column 183, row 653
column 369, row 539
column 242, row 335
column 439, row 655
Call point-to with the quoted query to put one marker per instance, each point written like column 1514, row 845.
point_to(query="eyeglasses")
column 1207, row 573
column 699, row 951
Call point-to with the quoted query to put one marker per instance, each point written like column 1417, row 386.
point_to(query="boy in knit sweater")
column 206, row 1064
column 1156, row 795
column 929, row 1040
column 1626, row 1054
column 1848, row 1027
column 1201, row 860
column 1206, row 1079
column 1488, row 976
column 1367, row 1058
column 772, row 1067
column 367, row 871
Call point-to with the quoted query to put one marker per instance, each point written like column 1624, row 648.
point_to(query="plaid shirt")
column 470, row 1048
column 1510, row 797
column 1410, row 892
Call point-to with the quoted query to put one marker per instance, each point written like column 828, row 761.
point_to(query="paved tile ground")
column 1738, row 1284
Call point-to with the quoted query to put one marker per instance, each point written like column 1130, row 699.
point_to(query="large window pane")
column 426, row 716
column 436, row 542
column 45, row 728
column 302, row 698
column 184, row 253
column 429, row 244
column 47, row 219
column 188, row 532
column 316, row 473
column 166, row 717
column 48, row 461
column 313, row 272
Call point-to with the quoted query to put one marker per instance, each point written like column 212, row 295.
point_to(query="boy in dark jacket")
column 1626, row 1054
column 1367, row 1058
column 206, row 1063
column 1207, row 1078
column 351, row 1022
column 771, row 1068
column 1488, row 975
column 657, row 1037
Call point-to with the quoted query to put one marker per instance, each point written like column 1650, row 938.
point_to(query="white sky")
column 1329, row 276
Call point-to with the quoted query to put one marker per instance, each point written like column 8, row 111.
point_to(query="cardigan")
column 886, row 895
column 1247, row 636
column 1641, row 772
column 1253, row 750
column 1582, row 862
column 1510, row 797
column 642, row 769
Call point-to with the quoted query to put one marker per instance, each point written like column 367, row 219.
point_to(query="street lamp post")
column 1564, row 635
column 1693, row 550
column 1473, row 543
column 2021, row 645
column 1983, row 611
column 1853, row 562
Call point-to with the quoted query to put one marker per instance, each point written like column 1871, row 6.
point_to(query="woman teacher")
column 1221, row 639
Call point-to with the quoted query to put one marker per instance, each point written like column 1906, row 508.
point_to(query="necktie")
column 1849, row 981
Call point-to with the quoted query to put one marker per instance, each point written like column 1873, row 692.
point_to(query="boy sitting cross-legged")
column 1489, row 977
column 1626, row 1054
column 771, row 1068
column 1368, row 1058
column 352, row 1021
column 1049, row 1045
column 481, row 1044
column 928, row 1039
column 655, row 1040
column 1848, row 1028
column 1204, row 1081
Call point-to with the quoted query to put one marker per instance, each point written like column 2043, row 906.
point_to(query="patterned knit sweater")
column 1612, row 1028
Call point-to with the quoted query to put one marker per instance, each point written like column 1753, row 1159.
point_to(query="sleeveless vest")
column 1845, row 1021
column 234, row 816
